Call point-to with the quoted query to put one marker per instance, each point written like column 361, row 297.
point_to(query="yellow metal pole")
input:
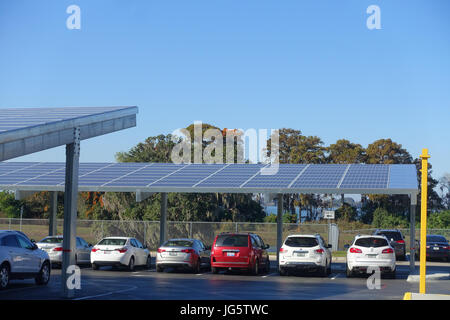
column 423, row 220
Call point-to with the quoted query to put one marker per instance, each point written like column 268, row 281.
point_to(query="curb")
column 427, row 296
column 434, row 276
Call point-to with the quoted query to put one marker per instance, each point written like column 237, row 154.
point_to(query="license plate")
column 106, row 252
column 172, row 253
column 300, row 254
column 436, row 248
column 371, row 255
column 230, row 254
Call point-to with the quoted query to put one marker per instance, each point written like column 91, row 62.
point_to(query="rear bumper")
column 300, row 265
column 109, row 263
column 383, row 265
column 174, row 264
column 232, row 265
column 438, row 254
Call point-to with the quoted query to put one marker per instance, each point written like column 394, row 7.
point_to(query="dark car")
column 437, row 248
column 239, row 251
column 397, row 241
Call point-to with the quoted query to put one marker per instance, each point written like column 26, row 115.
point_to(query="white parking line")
column 269, row 275
column 105, row 294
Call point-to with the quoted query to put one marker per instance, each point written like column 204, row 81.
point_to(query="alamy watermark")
column 238, row 143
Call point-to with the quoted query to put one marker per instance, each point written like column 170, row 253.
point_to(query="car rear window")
column 112, row 242
column 52, row 240
column 234, row 240
column 178, row 243
column 391, row 235
column 371, row 242
column 436, row 239
column 306, row 242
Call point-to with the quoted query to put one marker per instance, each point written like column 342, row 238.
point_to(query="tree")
column 433, row 200
column 444, row 187
column 346, row 213
column 154, row 149
column 383, row 219
column 385, row 151
column 343, row 151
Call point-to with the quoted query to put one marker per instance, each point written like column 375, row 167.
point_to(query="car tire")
column 159, row 268
column 323, row 271
column 196, row 269
column 148, row 265
column 329, row 269
column 349, row 272
column 43, row 276
column 94, row 266
column 214, row 270
column 283, row 272
column 267, row 270
column 4, row 276
column 131, row 264
column 393, row 274
column 255, row 269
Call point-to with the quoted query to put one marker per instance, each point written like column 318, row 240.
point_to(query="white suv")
column 305, row 252
column 22, row 259
column 370, row 251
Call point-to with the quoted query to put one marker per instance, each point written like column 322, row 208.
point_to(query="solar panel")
column 285, row 175
column 18, row 118
column 203, row 177
column 366, row 176
column 326, row 176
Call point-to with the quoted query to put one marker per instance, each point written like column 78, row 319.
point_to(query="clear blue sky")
column 310, row 65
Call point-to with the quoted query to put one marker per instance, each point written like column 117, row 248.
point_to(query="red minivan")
column 239, row 251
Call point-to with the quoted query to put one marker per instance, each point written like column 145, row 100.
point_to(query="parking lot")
column 150, row 285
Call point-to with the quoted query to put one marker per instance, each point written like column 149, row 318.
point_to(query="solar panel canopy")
column 233, row 178
column 28, row 130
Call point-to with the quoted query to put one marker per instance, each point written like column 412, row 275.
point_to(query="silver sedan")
column 53, row 246
column 190, row 254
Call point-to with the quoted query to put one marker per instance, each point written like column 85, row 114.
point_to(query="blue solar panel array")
column 45, row 176
column 18, row 118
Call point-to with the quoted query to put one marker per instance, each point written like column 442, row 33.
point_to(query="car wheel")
column 44, row 274
column 323, row 271
column 349, row 272
column 149, row 262
column 267, row 265
column 159, row 268
column 94, row 266
column 283, row 272
column 214, row 270
column 131, row 264
column 392, row 274
column 4, row 276
column 255, row 269
column 329, row 269
column 196, row 269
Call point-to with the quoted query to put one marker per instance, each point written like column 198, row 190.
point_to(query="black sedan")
column 437, row 248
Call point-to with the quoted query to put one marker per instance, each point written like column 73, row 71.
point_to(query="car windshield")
column 234, row 240
column 301, row 242
column 52, row 240
column 371, row 242
column 112, row 242
column 436, row 239
column 391, row 235
column 178, row 243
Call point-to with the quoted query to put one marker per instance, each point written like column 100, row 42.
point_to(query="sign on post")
column 328, row 214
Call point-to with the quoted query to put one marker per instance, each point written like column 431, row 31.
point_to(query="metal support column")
column 52, row 222
column 279, row 226
column 163, row 221
column 70, row 212
column 412, row 234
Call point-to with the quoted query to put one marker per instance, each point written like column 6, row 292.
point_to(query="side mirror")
column 267, row 246
column 32, row 240
column 90, row 245
column 329, row 246
column 346, row 246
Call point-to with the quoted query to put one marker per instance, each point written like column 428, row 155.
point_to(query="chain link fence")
column 148, row 231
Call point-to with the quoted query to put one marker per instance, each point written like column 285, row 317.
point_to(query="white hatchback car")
column 22, row 259
column 370, row 251
column 120, row 251
column 305, row 252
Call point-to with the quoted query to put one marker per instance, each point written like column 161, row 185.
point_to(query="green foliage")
column 439, row 220
column 383, row 219
column 9, row 207
column 287, row 218
column 346, row 213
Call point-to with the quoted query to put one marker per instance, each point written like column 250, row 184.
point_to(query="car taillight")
column 282, row 250
column 388, row 250
column 188, row 250
column 401, row 241
column 428, row 247
column 319, row 251
column 122, row 250
column 58, row 249
column 355, row 250
column 160, row 250
column 94, row 249
column 448, row 248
